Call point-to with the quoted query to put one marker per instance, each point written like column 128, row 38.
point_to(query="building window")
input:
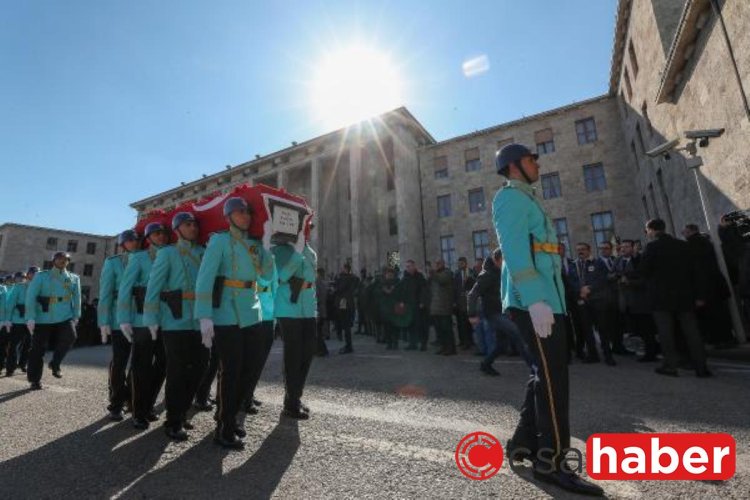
column 88, row 269
column 91, row 248
column 72, row 245
column 628, row 87
column 444, row 206
column 593, row 177
column 1, row 240
column 633, row 59
column 603, row 227
column 635, row 156
column 645, row 207
column 441, row 167
column 390, row 180
column 392, row 221
column 561, row 228
column 551, row 186
column 545, row 141
column 471, row 157
column 51, row 243
column 448, row 250
column 481, row 241
column 504, row 142
column 586, row 131
column 72, row 267
column 476, row 200
column 649, row 127
column 47, row 265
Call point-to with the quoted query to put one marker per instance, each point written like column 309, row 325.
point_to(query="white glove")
column 207, row 332
column 30, row 324
column 74, row 322
column 154, row 329
column 7, row 326
column 127, row 331
column 542, row 319
column 106, row 331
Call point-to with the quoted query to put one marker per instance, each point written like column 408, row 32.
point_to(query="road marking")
column 45, row 387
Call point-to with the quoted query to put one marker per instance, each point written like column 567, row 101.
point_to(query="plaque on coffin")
column 286, row 221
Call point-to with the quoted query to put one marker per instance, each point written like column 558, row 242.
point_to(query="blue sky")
column 103, row 103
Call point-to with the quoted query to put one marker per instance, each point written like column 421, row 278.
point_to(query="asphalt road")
column 385, row 425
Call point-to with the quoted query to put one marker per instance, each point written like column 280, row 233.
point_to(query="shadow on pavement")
column 4, row 398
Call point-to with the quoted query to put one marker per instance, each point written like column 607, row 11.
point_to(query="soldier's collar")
column 183, row 243
column 237, row 232
column 515, row 183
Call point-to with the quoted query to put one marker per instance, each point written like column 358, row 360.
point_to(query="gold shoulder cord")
column 253, row 252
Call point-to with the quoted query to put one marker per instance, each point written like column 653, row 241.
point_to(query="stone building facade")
column 682, row 65
column 24, row 246
column 386, row 186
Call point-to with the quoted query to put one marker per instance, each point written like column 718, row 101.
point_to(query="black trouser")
column 544, row 415
column 147, row 371
column 419, row 329
column 24, row 349
column 119, row 393
column 665, row 323
column 299, row 346
column 260, row 356
column 605, row 317
column 322, row 349
column 444, row 331
column 17, row 333
column 60, row 335
column 464, row 329
column 587, row 317
column 392, row 334
column 236, row 348
column 204, row 388
column 643, row 325
column 715, row 322
column 187, row 359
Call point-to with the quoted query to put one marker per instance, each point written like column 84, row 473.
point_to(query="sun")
column 353, row 84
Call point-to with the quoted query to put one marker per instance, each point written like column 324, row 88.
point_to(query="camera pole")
column 694, row 163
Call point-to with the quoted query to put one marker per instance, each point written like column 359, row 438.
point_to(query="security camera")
column 704, row 134
column 663, row 149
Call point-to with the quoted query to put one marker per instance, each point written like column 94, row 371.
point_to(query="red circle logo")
column 479, row 456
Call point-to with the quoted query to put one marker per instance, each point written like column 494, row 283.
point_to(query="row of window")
column 88, row 269
column 602, row 225
column 593, row 179
column 72, row 245
column 544, row 140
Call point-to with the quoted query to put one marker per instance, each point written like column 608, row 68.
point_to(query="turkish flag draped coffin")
column 278, row 216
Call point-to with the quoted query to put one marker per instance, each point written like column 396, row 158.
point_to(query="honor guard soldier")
column 533, row 295
column 148, row 363
column 266, row 291
column 6, row 285
column 227, row 306
column 170, row 301
column 53, row 306
column 15, row 323
column 25, row 347
column 109, row 284
column 296, row 309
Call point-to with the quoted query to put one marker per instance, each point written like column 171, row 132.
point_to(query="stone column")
column 281, row 179
column 355, row 174
column 408, row 196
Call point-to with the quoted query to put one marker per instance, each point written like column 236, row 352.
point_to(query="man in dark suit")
column 346, row 289
column 635, row 298
column 462, row 283
column 670, row 274
column 573, row 327
column 590, row 279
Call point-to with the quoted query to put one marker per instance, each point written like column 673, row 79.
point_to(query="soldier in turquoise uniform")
column 229, row 311
column 15, row 322
column 25, row 346
column 170, row 300
column 148, row 363
column 6, row 286
column 533, row 296
column 109, row 284
column 266, row 291
column 296, row 310
column 53, row 306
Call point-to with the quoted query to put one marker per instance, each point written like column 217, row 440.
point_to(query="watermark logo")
column 703, row 456
column 479, row 456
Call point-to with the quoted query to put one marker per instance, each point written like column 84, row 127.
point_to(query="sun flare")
column 353, row 84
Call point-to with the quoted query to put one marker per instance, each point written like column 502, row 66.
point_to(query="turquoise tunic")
column 136, row 274
column 3, row 298
column 267, row 295
column 65, row 289
column 290, row 264
column 234, row 256
column 109, row 284
column 527, row 277
column 15, row 297
column 175, row 268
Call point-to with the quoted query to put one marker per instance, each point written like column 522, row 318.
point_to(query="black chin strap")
column 523, row 172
